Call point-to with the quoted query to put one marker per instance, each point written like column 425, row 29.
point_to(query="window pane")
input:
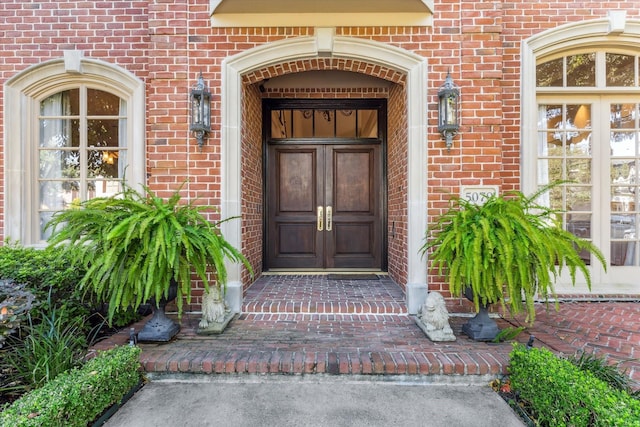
column 324, row 122
column 623, row 116
column 65, row 103
column 101, row 103
column 103, row 164
column 549, row 74
column 345, row 123
column 578, row 198
column 103, row 133
column 581, row 70
column 579, row 170
column 620, row 69
column 281, row 124
column 549, row 116
column 58, row 195
column 58, row 133
column 59, row 164
column 551, row 170
column 367, row 123
column 302, row 123
column 104, row 188
column 580, row 225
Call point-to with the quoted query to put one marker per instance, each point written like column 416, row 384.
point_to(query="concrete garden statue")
column 433, row 318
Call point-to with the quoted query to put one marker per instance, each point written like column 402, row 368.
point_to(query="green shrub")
column 560, row 394
column 602, row 370
column 49, row 348
column 49, row 275
column 79, row 396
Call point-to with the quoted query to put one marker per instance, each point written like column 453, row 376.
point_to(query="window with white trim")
column 73, row 130
column 588, row 132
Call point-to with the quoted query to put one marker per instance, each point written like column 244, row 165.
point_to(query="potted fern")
column 509, row 249
column 137, row 245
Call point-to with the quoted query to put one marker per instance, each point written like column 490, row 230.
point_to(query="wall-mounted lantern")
column 448, row 124
column 200, row 111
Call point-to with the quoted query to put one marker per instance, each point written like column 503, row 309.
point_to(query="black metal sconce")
column 200, row 111
column 448, row 124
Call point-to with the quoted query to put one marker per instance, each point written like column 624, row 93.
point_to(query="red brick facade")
column 167, row 44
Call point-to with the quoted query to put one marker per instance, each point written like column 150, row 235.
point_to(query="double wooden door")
column 324, row 206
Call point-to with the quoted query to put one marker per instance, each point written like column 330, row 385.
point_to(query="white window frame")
column 23, row 94
column 612, row 34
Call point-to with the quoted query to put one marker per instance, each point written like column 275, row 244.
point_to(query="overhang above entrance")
column 285, row 13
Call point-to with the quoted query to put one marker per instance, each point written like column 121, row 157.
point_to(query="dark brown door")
column 325, row 205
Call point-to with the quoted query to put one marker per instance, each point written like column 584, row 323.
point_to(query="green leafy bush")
column 602, row 370
column 49, row 274
column 78, row 396
column 49, row 348
column 560, row 394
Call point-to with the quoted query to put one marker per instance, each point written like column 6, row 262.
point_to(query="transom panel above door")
column 325, row 195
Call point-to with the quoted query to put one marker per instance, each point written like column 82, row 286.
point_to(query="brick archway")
column 344, row 53
column 325, row 64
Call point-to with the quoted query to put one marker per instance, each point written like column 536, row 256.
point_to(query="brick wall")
column 397, row 184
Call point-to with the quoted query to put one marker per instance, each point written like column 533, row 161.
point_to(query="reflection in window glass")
column 100, row 103
column 302, row 123
column 345, row 123
column 549, row 74
column 324, row 123
column 367, row 123
column 79, row 158
column 581, row 70
column 620, row 69
column 281, row 124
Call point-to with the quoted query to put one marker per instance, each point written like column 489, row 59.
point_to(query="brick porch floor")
column 308, row 324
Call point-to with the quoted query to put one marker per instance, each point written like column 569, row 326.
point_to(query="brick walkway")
column 298, row 324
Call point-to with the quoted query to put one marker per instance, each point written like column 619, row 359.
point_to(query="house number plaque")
column 478, row 194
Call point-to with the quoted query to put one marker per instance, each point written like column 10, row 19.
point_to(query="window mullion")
column 83, row 143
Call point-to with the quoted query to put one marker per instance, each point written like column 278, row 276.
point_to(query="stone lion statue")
column 214, row 308
column 435, row 318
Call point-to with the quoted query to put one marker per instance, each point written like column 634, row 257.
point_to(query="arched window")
column 582, row 125
column 72, row 136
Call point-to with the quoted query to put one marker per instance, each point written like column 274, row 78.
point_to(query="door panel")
column 294, row 189
column 353, row 191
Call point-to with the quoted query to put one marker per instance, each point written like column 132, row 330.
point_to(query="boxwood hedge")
column 79, row 396
column 560, row 394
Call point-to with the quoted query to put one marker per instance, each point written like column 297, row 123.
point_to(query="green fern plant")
column 509, row 250
column 136, row 243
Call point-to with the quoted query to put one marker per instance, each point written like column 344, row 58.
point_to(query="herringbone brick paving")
column 303, row 324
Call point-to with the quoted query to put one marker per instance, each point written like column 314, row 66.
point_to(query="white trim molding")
column 24, row 91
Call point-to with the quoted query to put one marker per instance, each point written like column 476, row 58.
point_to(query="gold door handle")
column 329, row 218
column 320, row 219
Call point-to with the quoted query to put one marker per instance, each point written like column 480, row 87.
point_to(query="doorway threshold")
column 323, row 271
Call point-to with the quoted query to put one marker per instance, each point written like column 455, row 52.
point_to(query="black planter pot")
column 481, row 327
column 160, row 328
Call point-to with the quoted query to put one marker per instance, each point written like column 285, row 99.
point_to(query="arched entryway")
column 241, row 75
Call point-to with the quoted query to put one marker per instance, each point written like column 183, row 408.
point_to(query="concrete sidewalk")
column 252, row 400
